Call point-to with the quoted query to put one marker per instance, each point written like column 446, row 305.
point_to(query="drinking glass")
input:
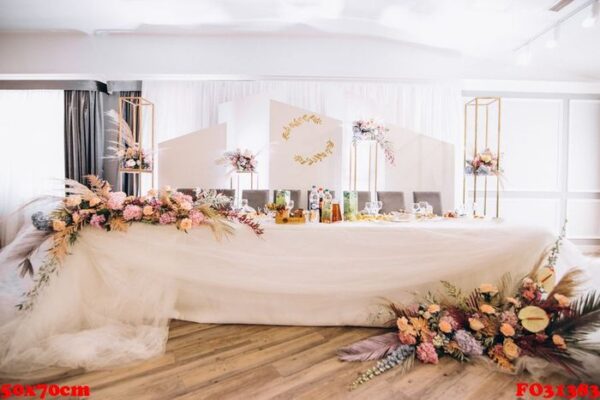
column 378, row 206
column 368, row 207
column 290, row 204
column 423, row 205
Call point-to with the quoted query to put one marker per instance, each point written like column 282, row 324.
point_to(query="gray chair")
column 308, row 197
column 257, row 199
column 363, row 198
column 294, row 195
column 189, row 191
column 227, row 192
column 392, row 201
column 433, row 198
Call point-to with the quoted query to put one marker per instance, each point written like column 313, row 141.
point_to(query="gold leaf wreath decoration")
column 314, row 158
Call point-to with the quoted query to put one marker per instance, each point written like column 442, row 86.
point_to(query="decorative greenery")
column 317, row 157
column 535, row 320
column 313, row 158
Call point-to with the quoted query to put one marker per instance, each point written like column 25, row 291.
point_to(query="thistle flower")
column 467, row 343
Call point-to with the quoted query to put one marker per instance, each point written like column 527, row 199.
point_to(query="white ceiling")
column 484, row 32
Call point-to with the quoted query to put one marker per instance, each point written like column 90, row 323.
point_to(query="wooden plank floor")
column 205, row 361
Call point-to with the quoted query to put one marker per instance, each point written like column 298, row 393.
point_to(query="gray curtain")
column 84, row 134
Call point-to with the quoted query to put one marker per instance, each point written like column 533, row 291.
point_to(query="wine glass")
column 378, row 206
column 368, row 207
column 290, row 204
column 423, row 205
column 414, row 208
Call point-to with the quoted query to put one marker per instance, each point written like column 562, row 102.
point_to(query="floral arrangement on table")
column 508, row 324
column 98, row 207
column 371, row 130
column 485, row 163
column 241, row 161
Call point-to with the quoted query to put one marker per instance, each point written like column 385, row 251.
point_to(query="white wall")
column 130, row 56
column 551, row 161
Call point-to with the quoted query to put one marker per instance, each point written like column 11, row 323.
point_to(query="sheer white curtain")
column 31, row 151
column 431, row 109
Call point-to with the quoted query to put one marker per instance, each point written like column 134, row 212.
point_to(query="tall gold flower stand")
column 140, row 112
column 482, row 130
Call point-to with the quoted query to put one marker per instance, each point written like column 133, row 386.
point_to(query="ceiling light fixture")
column 590, row 21
column 552, row 42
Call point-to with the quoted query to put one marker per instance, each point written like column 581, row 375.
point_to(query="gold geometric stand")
column 482, row 109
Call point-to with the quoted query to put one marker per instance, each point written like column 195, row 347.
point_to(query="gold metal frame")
column 373, row 154
column 137, row 105
column 477, row 103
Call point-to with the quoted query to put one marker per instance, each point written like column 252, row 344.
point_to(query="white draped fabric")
column 115, row 293
column 32, row 151
column 431, row 109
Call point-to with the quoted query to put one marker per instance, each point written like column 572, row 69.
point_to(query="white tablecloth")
column 111, row 302
column 312, row 274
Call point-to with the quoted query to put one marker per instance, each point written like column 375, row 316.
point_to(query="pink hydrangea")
column 167, row 218
column 115, row 200
column 426, row 353
column 197, row 217
column 132, row 213
column 97, row 220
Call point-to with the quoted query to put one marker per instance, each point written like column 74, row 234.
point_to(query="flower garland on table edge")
column 503, row 323
column 371, row 130
column 99, row 207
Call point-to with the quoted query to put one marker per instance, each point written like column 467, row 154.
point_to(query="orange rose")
column 507, row 330
column 94, row 201
column 487, row 309
column 511, row 350
column 445, row 326
column 559, row 341
column 185, row 224
column 476, row 324
column 147, row 210
column 433, row 308
column 58, row 225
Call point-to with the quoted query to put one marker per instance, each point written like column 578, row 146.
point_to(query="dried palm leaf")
column 582, row 318
column 118, row 224
column 568, row 284
column 126, row 132
column 373, row 348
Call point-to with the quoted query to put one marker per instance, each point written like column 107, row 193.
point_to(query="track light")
column 591, row 20
column 552, row 42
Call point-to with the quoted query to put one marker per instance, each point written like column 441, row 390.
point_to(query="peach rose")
column 433, row 308
column 185, row 224
column 73, row 201
column 488, row 288
column 445, row 327
column 476, row 324
column 94, row 201
column 511, row 350
column 58, row 225
column 507, row 330
column 559, row 341
column 152, row 193
column 487, row 309
column 148, row 210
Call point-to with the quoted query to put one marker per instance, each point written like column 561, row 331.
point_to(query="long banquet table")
column 322, row 274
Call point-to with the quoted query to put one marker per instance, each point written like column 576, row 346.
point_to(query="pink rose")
column 115, row 200
column 132, row 213
column 97, row 221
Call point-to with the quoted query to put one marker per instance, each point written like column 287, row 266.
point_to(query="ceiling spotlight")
column 552, row 42
column 590, row 21
column 524, row 56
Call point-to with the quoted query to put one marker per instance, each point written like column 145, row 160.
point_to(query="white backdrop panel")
column 422, row 164
column 306, row 139
column 584, row 145
column 189, row 161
